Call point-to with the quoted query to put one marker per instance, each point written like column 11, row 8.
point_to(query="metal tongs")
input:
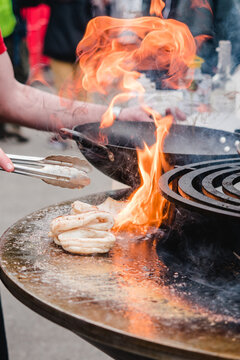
column 59, row 170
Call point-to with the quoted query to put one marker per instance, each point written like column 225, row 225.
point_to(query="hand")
column 135, row 113
column 5, row 162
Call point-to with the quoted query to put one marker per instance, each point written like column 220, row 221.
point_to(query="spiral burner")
column 211, row 187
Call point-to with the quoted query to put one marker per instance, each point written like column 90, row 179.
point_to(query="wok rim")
column 214, row 131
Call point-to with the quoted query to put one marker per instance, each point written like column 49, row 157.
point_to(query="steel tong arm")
column 65, row 171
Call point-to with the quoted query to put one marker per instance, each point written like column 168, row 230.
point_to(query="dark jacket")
column 223, row 24
column 67, row 25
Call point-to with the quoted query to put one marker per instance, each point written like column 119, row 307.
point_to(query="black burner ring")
column 207, row 187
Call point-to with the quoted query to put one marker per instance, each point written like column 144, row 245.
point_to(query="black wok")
column 113, row 150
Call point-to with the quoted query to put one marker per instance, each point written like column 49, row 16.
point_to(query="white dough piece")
column 79, row 207
column 85, row 240
column 112, row 206
column 92, row 220
column 85, row 231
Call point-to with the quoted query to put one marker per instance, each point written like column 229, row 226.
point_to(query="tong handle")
column 65, row 171
column 25, row 159
column 61, row 160
column 35, row 172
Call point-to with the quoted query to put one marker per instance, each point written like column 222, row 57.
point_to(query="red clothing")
column 37, row 21
column 2, row 45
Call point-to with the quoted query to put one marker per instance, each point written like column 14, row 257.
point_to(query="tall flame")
column 111, row 56
column 146, row 207
column 113, row 51
column 157, row 7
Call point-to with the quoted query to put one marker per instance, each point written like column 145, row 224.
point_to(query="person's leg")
column 62, row 76
column 3, row 342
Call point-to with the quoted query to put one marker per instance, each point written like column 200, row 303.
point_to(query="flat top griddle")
column 121, row 301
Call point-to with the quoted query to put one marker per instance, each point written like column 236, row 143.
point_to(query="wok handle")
column 84, row 141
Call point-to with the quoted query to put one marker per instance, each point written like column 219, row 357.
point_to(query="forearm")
column 37, row 109
column 27, row 106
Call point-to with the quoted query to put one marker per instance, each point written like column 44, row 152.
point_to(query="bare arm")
column 30, row 107
column 27, row 106
column 24, row 105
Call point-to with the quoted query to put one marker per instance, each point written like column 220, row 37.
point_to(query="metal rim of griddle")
column 96, row 333
column 208, row 187
column 90, row 331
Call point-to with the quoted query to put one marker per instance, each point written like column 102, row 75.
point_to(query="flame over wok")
column 111, row 56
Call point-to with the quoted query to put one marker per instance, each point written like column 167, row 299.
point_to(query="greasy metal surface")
column 128, row 299
column 196, row 187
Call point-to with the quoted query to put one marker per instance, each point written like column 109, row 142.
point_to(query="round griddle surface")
column 122, row 300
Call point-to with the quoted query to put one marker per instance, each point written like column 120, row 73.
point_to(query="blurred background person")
column 66, row 27
column 61, row 24
column 223, row 23
column 67, row 24
column 37, row 18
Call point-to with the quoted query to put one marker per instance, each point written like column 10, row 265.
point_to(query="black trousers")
column 3, row 342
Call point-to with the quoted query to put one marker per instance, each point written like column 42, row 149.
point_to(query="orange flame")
column 146, row 207
column 113, row 51
column 111, row 55
column 157, row 7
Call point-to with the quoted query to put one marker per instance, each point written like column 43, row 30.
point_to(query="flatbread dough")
column 85, row 231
